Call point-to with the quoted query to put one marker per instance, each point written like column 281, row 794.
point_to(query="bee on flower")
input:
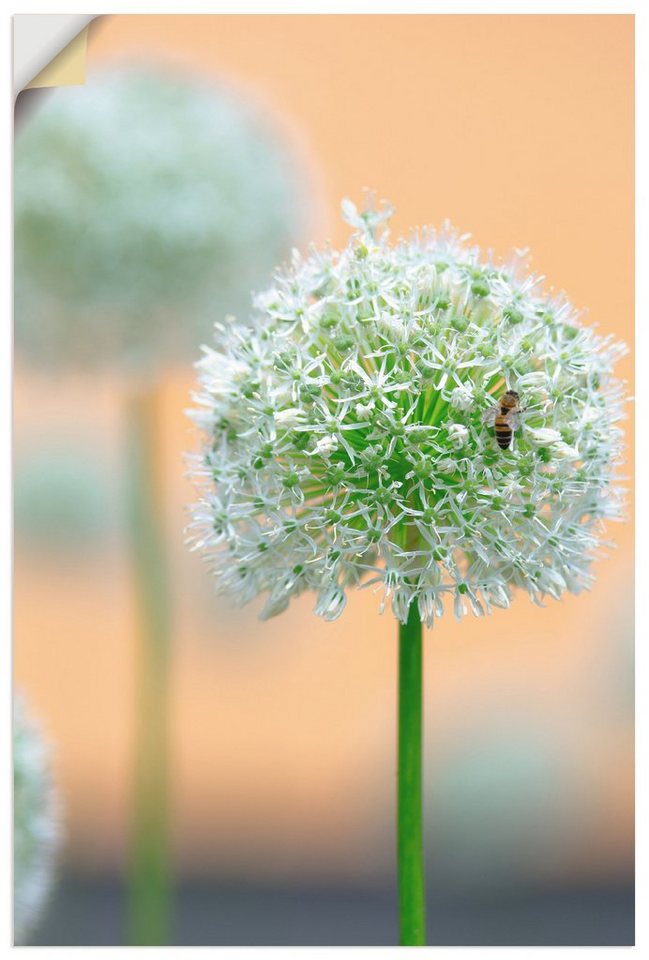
column 420, row 364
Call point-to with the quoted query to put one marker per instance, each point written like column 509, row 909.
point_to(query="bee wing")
column 489, row 415
column 514, row 419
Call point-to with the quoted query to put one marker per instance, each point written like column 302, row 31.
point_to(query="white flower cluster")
column 36, row 823
column 145, row 200
column 348, row 441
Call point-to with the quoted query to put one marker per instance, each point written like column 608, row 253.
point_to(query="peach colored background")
column 520, row 130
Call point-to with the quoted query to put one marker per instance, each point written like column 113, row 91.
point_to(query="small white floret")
column 327, row 445
column 363, row 410
column 289, row 417
column 564, row 451
column 458, row 434
column 462, row 397
column 544, row 436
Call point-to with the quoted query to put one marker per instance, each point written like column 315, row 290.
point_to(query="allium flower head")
column 144, row 201
column 36, row 823
column 349, row 434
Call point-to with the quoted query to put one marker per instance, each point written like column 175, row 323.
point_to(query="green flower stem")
column 149, row 880
column 410, row 853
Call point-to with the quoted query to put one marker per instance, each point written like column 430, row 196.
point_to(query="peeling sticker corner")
column 49, row 50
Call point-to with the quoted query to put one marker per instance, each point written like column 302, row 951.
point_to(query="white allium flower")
column 388, row 479
column 37, row 832
column 146, row 201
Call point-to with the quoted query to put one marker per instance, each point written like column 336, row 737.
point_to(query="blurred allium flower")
column 347, row 434
column 36, row 823
column 144, row 202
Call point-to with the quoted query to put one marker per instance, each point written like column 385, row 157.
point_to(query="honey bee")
column 505, row 418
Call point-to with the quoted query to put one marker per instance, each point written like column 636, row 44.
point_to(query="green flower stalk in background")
column 37, row 830
column 350, row 440
column 144, row 202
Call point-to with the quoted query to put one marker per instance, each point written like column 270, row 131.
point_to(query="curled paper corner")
column 49, row 50
column 68, row 68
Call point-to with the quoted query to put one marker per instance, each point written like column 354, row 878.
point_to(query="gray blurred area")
column 87, row 910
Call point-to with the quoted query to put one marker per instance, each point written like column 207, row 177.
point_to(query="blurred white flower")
column 146, row 203
column 37, row 831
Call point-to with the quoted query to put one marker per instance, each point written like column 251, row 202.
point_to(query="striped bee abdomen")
column 503, row 431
